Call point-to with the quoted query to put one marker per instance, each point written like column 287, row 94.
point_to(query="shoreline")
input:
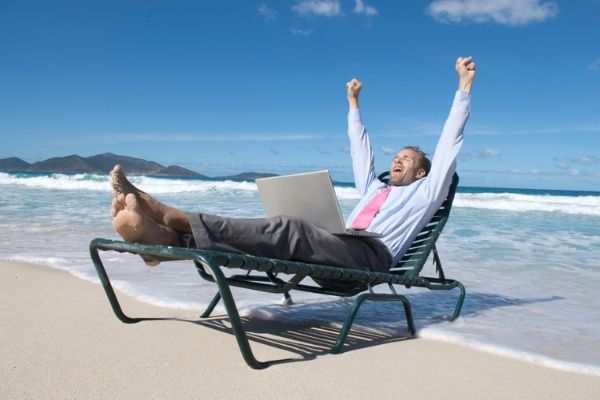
column 64, row 341
column 536, row 359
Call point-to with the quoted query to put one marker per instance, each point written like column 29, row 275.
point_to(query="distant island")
column 103, row 164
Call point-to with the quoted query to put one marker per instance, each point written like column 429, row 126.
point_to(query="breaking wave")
column 481, row 199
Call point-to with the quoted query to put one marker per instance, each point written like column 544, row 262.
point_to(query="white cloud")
column 531, row 171
column 362, row 8
column 572, row 129
column 416, row 128
column 485, row 153
column 595, row 66
column 483, row 132
column 322, row 8
column 566, row 129
column 534, row 173
column 586, row 160
column 388, row 151
column 504, row 12
column 269, row 14
column 301, row 32
column 200, row 137
column 583, row 160
column 488, row 152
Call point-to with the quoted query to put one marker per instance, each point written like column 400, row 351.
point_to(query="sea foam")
column 513, row 202
column 578, row 205
column 57, row 181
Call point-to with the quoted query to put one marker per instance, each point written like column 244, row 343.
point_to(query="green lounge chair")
column 277, row 276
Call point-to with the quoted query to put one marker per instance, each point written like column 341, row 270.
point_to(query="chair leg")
column 108, row 289
column 460, row 301
column 232, row 312
column 354, row 310
column 348, row 323
column 211, row 306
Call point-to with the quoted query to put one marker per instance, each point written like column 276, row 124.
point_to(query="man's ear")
column 421, row 173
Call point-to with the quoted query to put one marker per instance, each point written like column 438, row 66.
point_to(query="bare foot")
column 118, row 203
column 148, row 205
column 133, row 226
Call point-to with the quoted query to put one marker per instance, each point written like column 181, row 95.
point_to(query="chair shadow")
column 315, row 338
column 306, row 342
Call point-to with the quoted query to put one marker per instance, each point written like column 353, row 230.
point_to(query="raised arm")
column 450, row 142
column 360, row 147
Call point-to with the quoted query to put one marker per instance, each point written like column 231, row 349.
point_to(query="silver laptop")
column 309, row 196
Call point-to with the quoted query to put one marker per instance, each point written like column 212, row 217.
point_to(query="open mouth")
column 397, row 169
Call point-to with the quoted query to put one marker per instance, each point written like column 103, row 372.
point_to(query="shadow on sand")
column 309, row 330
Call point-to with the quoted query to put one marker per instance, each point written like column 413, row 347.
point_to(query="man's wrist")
column 465, row 86
column 353, row 102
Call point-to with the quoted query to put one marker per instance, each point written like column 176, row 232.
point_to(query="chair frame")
column 278, row 276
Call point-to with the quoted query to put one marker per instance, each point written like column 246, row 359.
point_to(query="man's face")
column 405, row 169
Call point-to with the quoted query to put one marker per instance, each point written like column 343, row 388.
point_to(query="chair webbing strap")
column 438, row 264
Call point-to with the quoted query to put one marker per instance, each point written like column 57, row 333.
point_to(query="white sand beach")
column 60, row 340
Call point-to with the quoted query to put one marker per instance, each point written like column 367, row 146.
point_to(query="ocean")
column 529, row 259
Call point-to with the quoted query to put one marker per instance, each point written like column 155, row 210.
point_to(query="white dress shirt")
column 407, row 209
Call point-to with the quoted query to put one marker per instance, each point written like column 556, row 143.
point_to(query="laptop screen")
column 309, row 196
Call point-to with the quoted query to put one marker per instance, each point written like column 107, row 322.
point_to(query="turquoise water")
column 530, row 261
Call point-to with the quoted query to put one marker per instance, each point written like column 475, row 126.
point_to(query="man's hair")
column 422, row 161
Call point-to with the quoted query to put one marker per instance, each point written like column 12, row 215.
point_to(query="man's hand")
column 354, row 87
column 465, row 68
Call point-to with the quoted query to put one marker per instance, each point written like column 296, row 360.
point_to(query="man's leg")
column 288, row 238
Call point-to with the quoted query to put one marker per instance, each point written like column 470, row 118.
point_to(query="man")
column 415, row 191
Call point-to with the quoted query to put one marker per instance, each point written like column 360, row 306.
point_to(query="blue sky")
column 229, row 86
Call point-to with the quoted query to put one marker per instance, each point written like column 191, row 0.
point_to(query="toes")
column 117, row 205
column 114, row 182
column 131, row 202
column 116, row 169
column 117, row 179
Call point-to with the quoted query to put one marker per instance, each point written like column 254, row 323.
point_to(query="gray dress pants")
column 288, row 238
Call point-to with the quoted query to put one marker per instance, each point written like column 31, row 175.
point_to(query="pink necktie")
column 364, row 218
